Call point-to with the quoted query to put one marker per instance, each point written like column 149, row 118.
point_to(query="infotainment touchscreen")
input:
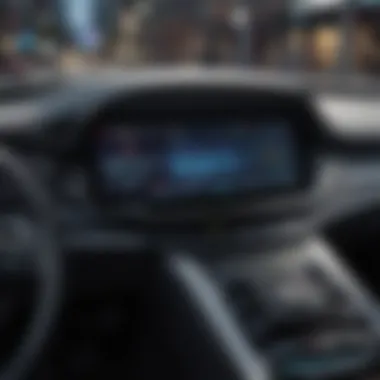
column 196, row 160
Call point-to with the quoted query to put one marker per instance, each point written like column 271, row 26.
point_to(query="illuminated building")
column 342, row 34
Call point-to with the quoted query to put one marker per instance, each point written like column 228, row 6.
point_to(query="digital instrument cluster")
column 196, row 158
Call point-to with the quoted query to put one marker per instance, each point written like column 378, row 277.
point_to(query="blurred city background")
column 72, row 35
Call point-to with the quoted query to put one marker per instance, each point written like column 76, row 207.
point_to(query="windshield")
column 61, row 36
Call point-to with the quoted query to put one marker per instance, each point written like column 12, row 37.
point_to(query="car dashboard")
column 322, row 155
column 233, row 169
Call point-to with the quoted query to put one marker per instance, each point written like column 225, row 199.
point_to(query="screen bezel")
column 150, row 108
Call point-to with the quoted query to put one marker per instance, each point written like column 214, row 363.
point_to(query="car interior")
column 152, row 225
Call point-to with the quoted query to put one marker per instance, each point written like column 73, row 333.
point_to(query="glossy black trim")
column 162, row 105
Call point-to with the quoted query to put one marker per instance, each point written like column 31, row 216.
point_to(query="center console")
column 296, row 314
column 304, row 312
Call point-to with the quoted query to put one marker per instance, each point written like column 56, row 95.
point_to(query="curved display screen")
column 197, row 160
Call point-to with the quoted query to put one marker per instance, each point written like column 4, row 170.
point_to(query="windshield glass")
column 72, row 35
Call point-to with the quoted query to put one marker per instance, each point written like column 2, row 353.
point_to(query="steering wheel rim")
column 48, row 268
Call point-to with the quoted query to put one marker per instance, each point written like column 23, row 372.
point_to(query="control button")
column 295, row 290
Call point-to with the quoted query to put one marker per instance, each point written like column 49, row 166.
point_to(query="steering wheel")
column 47, row 264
